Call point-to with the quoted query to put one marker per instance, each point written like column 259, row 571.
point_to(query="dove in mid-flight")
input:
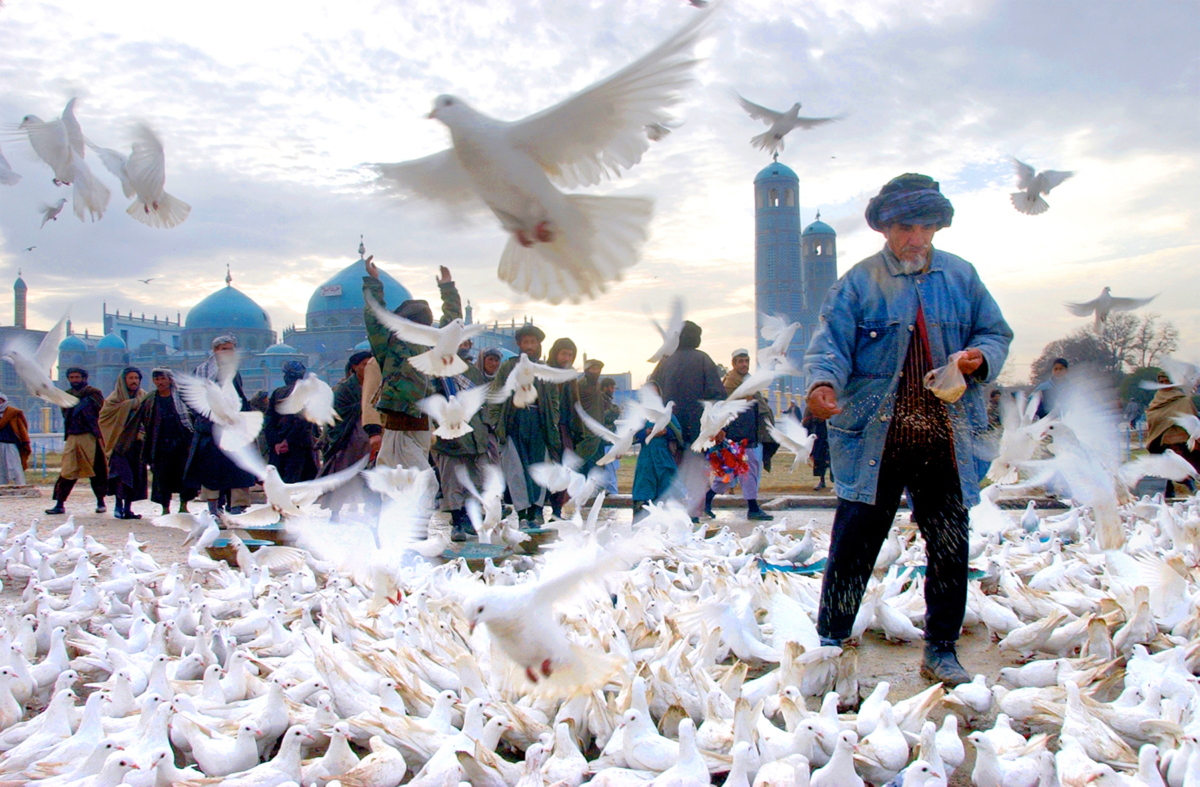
column 454, row 414
column 1033, row 185
column 60, row 143
column 442, row 359
column 143, row 174
column 1105, row 304
column 563, row 246
column 779, row 333
column 670, row 333
column 50, row 212
column 791, row 434
column 781, row 123
column 716, row 416
column 7, row 176
column 520, row 382
column 219, row 402
column 312, row 398
column 34, row 370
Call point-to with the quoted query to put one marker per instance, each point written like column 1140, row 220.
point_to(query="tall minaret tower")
column 779, row 285
column 19, row 293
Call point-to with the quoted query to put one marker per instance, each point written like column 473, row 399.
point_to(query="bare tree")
column 1154, row 341
column 1122, row 341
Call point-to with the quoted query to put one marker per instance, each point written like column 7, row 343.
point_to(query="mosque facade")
column 793, row 268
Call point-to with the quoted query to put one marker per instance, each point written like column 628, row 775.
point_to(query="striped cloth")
column 919, row 418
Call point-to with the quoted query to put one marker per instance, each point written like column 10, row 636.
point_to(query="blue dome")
column 227, row 308
column 818, row 227
column 344, row 291
column 111, row 342
column 281, row 349
column 776, row 170
column 73, row 344
column 365, row 344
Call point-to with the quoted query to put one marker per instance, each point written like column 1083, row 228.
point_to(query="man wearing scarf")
column 207, row 465
column 83, row 449
column 891, row 319
column 290, row 438
column 122, row 433
column 15, row 447
column 461, row 455
column 166, row 424
column 349, row 439
column 1162, row 432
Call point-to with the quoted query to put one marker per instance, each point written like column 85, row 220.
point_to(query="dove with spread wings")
column 1033, row 185
column 563, row 246
column 34, row 370
column 781, row 123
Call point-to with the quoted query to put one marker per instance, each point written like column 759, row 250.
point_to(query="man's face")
column 741, row 364
column 225, row 349
column 75, row 379
column 566, row 357
column 530, row 345
column 593, row 373
column 163, row 384
column 133, row 381
column 490, row 364
column 1057, row 371
column 608, row 390
column 910, row 243
column 1163, row 379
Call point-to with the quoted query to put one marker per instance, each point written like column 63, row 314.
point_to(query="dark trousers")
column 63, row 487
column 859, row 530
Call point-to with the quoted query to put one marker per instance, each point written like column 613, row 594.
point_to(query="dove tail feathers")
column 170, row 211
column 588, row 670
column 1033, row 206
column 449, row 433
column 88, row 195
column 230, row 438
column 767, row 141
column 427, row 364
column 585, row 257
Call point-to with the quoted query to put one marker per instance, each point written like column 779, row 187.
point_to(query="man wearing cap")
column 83, row 443
column 406, row 433
column 291, row 442
column 887, row 322
column 207, row 466
column 527, row 435
column 750, row 427
column 588, row 445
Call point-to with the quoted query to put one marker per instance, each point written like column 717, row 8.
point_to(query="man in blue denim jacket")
column 891, row 319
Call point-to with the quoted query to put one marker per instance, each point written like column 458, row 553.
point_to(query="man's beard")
column 913, row 264
column 79, row 386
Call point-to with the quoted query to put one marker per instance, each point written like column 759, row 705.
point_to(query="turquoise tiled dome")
column 72, row 344
column 110, row 342
column 343, row 291
column 818, row 227
column 225, row 309
column 775, row 170
column 281, row 349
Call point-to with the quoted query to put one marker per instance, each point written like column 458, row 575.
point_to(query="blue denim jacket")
column 867, row 320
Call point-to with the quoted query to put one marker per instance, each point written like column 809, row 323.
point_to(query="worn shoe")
column 458, row 536
column 941, row 664
column 100, row 507
column 58, row 509
column 758, row 515
column 830, row 642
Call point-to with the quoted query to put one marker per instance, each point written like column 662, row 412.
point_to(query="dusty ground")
column 878, row 659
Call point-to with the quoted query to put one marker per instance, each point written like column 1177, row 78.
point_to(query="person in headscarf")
column 888, row 321
column 608, row 391
column 122, row 433
column 489, row 362
column 687, row 377
column 290, row 438
column 562, row 356
column 348, row 440
column 527, row 435
column 15, row 446
column 166, row 424
column 207, row 465
column 1162, row 432
column 655, row 472
column 83, row 446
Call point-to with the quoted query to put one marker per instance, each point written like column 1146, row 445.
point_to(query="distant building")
column 792, row 269
column 42, row 416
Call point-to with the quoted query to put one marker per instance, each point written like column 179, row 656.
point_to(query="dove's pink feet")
column 546, row 668
column 543, row 233
column 529, row 673
column 523, row 239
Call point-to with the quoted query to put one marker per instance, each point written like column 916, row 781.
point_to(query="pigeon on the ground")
column 34, row 370
column 50, row 212
column 1033, row 184
column 564, row 246
column 781, row 123
column 1105, row 304
column 143, row 173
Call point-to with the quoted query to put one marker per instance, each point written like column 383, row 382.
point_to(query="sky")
column 268, row 109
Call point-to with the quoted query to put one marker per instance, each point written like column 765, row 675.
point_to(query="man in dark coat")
column 349, row 439
column 123, row 442
column 687, row 377
column 290, row 438
column 167, row 424
column 83, row 446
column 207, row 465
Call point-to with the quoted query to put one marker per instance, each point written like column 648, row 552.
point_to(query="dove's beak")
column 471, row 627
column 432, row 114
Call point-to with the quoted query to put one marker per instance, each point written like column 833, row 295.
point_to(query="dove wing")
column 49, row 141
column 438, row 178
column 246, row 458
column 114, row 162
column 196, row 393
column 758, row 111
column 594, row 426
column 147, row 165
column 47, row 351
column 404, row 329
column 1128, row 304
column 650, row 400
column 754, row 382
column 471, row 400
column 599, row 131
column 1025, row 173
column 814, row 122
column 1082, row 309
column 1052, row 178
column 306, row 492
column 772, row 326
column 553, row 374
column 1180, row 372
column 792, row 427
column 434, row 406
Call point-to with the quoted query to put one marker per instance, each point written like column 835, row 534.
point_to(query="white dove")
column 442, row 360
column 779, row 333
column 50, row 212
column 653, row 408
column 669, row 334
column 519, row 384
column 1033, row 185
column 143, row 174
column 486, row 508
column 34, row 370
column 312, row 398
column 1181, row 373
column 622, row 439
column 7, row 176
column 1190, row 424
column 781, row 123
column 284, row 499
column 1105, row 304
column 454, row 415
column 60, row 143
column 220, row 403
column 757, row 381
column 564, row 246
column 791, row 434
column 1023, row 434
column 716, row 416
